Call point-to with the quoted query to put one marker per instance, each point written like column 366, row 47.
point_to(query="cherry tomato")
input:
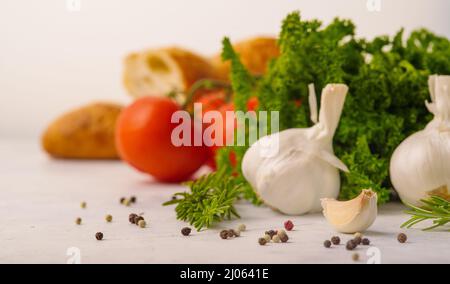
column 212, row 100
column 216, row 100
column 143, row 139
column 252, row 104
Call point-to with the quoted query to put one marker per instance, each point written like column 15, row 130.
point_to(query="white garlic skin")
column 305, row 183
column 420, row 164
column 304, row 168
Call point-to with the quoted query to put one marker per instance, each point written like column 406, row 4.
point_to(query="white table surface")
column 40, row 200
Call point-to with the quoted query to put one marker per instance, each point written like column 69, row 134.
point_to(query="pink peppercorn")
column 288, row 225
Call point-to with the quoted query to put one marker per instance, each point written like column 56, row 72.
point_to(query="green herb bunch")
column 211, row 199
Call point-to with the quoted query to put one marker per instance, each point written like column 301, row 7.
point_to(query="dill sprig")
column 434, row 208
column 211, row 199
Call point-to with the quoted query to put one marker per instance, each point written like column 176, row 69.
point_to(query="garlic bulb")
column 304, row 168
column 421, row 163
column 351, row 216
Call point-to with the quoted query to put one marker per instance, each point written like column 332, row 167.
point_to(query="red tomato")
column 143, row 139
column 252, row 104
column 216, row 100
column 227, row 130
column 212, row 100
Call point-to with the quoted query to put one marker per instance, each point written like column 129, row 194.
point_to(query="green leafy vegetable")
column 211, row 199
column 435, row 208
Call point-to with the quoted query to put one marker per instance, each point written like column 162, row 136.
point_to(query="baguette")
column 84, row 133
column 157, row 72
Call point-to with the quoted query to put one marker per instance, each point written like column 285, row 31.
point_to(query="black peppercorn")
column 133, row 199
column 366, row 241
column 132, row 218
column 224, row 234
column 122, row 200
column 137, row 219
column 350, row 245
column 335, row 240
column 186, row 231
column 402, row 238
column 357, row 240
column 99, row 236
column 327, row 244
column 283, row 237
column 231, row 233
column 271, row 233
column 262, row 241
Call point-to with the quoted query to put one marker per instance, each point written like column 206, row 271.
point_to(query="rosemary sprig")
column 211, row 199
column 434, row 208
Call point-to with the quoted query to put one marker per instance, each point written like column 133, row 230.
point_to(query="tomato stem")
column 207, row 84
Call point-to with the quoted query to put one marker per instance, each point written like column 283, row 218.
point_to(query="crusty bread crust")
column 255, row 53
column 181, row 69
column 84, row 133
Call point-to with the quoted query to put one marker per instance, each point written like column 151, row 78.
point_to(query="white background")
column 52, row 60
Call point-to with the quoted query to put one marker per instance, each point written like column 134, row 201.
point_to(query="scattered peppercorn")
column 357, row 240
column 133, row 199
column 127, row 202
column 99, row 236
column 276, row 239
column 241, row 227
column 142, row 223
column 267, row 237
column 350, row 245
column 108, row 218
column 283, row 237
column 358, row 234
column 402, row 238
column 232, row 233
column 288, row 225
column 281, row 232
column 83, row 204
column 327, row 244
column 186, row 231
column 271, row 233
column 122, row 200
column 237, row 233
column 132, row 218
column 224, row 234
column 366, row 241
column 355, row 257
column 262, row 241
column 137, row 219
column 335, row 240
column 78, row 221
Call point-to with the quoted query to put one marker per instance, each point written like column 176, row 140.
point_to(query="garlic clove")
column 351, row 216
